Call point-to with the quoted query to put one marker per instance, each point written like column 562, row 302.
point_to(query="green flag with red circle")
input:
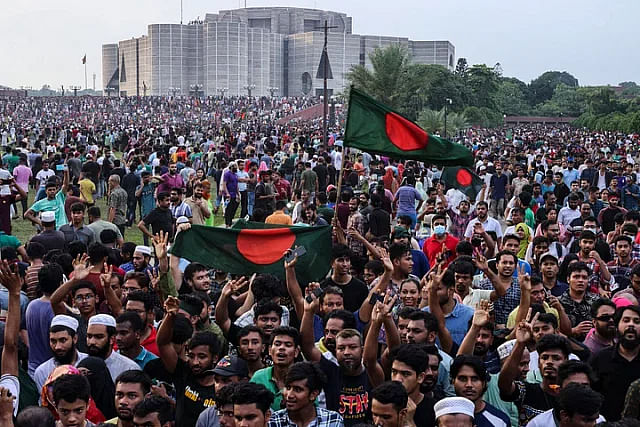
column 252, row 247
column 463, row 179
column 375, row 128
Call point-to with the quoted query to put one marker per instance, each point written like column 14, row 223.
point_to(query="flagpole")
column 344, row 153
column 85, row 75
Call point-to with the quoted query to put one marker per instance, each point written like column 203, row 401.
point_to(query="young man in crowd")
column 131, row 389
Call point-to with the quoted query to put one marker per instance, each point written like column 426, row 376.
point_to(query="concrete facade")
column 262, row 51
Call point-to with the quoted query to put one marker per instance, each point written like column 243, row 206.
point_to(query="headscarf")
column 93, row 413
column 524, row 241
column 102, row 386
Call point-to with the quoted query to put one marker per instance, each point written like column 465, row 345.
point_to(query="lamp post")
column 109, row 89
column 75, row 89
column 249, row 88
column 222, row 90
column 174, row 90
column 272, row 90
column 446, row 101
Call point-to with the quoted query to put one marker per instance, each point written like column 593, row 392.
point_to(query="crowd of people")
column 514, row 305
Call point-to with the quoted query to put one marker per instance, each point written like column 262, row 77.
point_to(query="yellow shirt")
column 87, row 188
column 511, row 320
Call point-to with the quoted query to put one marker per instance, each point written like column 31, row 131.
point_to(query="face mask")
column 434, row 169
column 439, row 229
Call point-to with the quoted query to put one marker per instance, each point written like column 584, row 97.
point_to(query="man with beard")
column 131, row 389
column 506, row 264
column 488, row 223
column 410, row 366
column 283, row 349
column 101, row 333
column 618, row 366
column 196, row 277
column 129, row 328
column 160, row 218
column 577, row 301
column 62, row 340
column 604, row 329
column 355, row 222
column 140, row 259
column 550, row 230
column 470, row 379
column 349, row 383
column 171, row 179
column 479, row 339
column 194, row 379
column 303, row 384
column 533, row 398
column 199, row 207
column 606, row 218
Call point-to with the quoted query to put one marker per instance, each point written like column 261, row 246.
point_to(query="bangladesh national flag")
column 253, row 247
column 463, row 179
column 375, row 128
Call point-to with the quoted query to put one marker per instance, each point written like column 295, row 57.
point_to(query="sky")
column 43, row 41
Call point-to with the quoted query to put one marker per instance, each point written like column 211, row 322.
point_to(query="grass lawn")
column 24, row 230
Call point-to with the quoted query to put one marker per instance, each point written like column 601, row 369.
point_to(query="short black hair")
column 599, row 303
column 35, row 416
column 143, row 297
column 578, row 399
column 267, row 286
column 375, row 266
column 248, row 393
column 286, row 331
column 206, row 338
column 135, row 376
column 266, row 307
column 570, row 367
column 84, row 284
column 347, row 317
column 157, row 404
column 97, row 252
column 620, row 311
column 182, row 330
column 134, row 320
column 248, row 329
column 70, row 387
column 577, row 266
column 316, row 379
column 391, row 392
column 411, row 355
column 500, row 254
column 193, row 268
column 548, row 318
column 397, row 250
column 340, row 251
column 50, row 277
column 36, row 250
column 430, row 321
column 554, row 342
column 225, row 395
column 474, row 362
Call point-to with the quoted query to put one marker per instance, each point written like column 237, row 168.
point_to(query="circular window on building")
column 306, row 83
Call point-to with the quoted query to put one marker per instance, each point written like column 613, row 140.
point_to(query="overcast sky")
column 43, row 41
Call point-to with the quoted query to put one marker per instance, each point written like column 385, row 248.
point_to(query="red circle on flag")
column 463, row 177
column 405, row 134
column 264, row 246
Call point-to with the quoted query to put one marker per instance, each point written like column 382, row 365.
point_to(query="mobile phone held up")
column 317, row 292
column 297, row 252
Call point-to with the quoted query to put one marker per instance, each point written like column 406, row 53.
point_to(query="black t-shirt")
column 322, row 172
column 425, row 415
column 191, row 397
column 160, row 219
column 530, row 399
column 156, row 370
column 92, row 169
column 354, row 292
column 347, row 395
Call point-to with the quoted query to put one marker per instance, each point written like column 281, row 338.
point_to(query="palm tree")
column 432, row 121
column 386, row 80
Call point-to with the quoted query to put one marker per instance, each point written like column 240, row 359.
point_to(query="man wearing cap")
column 454, row 412
column 62, row 340
column 100, row 339
column 229, row 370
column 54, row 202
column 49, row 237
column 140, row 259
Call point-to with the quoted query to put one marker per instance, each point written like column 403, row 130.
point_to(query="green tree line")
column 479, row 95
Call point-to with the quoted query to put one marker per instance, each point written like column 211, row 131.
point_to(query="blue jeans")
column 252, row 202
column 41, row 194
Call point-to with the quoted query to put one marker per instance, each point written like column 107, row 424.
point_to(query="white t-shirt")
column 546, row 419
column 43, row 176
column 11, row 383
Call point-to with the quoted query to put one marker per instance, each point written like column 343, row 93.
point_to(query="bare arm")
column 480, row 318
column 112, row 299
column 293, row 287
column 509, row 372
column 380, row 288
column 168, row 354
column 31, row 216
column 11, row 281
column 80, row 272
column 446, row 342
column 370, row 351
column 222, row 308
column 307, row 340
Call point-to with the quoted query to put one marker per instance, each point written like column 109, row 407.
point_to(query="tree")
column 432, row 121
column 511, row 99
column 541, row 89
column 483, row 82
column 387, row 79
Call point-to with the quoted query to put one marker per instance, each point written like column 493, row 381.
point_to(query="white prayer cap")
column 144, row 250
column 48, row 216
column 64, row 320
column 454, row 405
column 102, row 319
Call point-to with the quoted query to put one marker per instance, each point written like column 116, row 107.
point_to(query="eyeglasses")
column 605, row 318
column 81, row 298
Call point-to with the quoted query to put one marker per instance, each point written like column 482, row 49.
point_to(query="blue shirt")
column 231, row 181
column 407, row 197
column 420, row 263
column 457, row 322
column 144, row 357
column 499, row 186
column 147, row 200
column 491, row 416
column 569, row 176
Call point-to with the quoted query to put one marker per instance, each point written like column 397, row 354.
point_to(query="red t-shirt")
column 433, row 247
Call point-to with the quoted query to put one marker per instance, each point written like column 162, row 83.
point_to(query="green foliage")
column 511, row 97
column 542, row 88
column 433, row 121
